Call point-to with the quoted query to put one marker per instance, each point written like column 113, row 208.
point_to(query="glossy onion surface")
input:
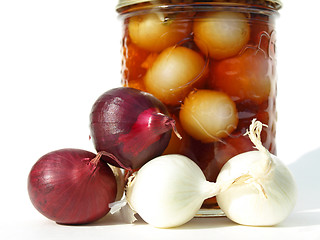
column 131, row 124
column 155, row 32
column 221, row 34
column 247, row 76
column 208, row 115
column 68, row 187
column 174, row 73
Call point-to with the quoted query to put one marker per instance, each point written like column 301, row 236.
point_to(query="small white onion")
column 168, row 191
column 259, row 190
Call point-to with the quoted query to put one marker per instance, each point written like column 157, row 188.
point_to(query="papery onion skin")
column 263, row 201
column 67, row 187
column 131, row 124
column 168, row 191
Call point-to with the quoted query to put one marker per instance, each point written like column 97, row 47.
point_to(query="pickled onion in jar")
column 221, row 34
column 244, row 77
column 155, row 32
column 174, row 73
column 208, row 115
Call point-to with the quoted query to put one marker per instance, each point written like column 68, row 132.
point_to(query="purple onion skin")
column 68, row 187
column 132, row 125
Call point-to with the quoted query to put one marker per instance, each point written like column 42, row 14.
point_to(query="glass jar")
column 213, row 64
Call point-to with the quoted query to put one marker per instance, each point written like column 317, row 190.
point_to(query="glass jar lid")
column 273, row 4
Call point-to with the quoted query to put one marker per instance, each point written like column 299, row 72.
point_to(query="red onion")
column 72, row 186
column 132, row 125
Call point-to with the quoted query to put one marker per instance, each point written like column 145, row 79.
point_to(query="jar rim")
column 272, row 4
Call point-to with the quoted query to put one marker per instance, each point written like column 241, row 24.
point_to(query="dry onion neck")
column 96, row 160
column 172, row 123
column 254, row 133
column 253, row 176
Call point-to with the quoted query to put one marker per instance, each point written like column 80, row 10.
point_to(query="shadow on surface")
column 205, row 223
column 195, row 223
column 307, row 212
column 302, row 219
column 306, row 172
column 112, row 219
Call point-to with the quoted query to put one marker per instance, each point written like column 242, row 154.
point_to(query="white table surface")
column 57, row 57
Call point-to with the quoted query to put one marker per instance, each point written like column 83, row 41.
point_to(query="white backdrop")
column 57, row 57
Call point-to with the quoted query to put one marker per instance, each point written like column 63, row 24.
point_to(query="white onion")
column 168, row 191
column 259, row 190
